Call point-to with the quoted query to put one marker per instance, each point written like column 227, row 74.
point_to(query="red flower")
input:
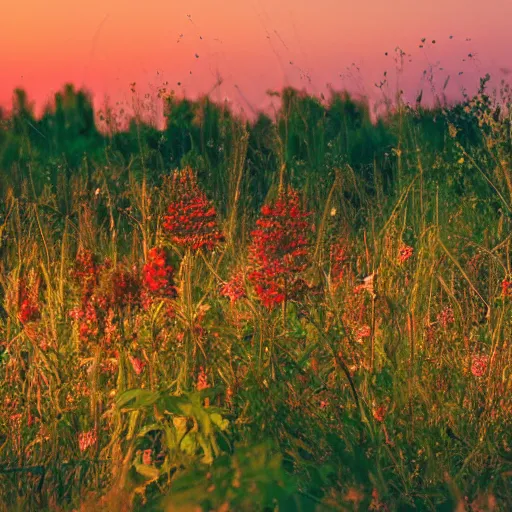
column 406, row 252
column 85, row 265
column 28, row 300
column 158, row 275
column 29, row 312
column 506, row 287
column 191, row 219
column 279, row 252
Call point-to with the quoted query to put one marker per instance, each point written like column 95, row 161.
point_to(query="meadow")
column 303, row 312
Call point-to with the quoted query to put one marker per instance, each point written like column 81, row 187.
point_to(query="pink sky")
column 253, row 45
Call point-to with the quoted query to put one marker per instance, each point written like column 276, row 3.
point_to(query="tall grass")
column 383, row 382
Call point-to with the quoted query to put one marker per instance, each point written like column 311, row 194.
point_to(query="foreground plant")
column 280, row 250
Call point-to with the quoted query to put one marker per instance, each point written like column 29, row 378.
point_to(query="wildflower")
column 88, row 321
column 157, row 277
column 106, row 294
column 376, row 504
column 338, row 261
column 379, row 413
column 406, row 252
column 191, row 219
column 29, row 311
column 234, row 289
column 137, row 364
column 202, row 380
column 446, row 317
column 362, row 333
column 87, row 439
column 479, row 365
column 109, row 366
column 506, row 287
column 125, row 288
column 279, row 252
column 28, row 300
column 85, row 270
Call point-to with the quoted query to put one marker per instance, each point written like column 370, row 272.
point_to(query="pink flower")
column 479, row 365
column 362, row 333
column 234, row 288
column 446, row 317
column 137, row 364
column 87, row 439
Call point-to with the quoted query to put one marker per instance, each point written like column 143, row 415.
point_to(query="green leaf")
column 219, row 421
column 136, row 399
column 149, row 472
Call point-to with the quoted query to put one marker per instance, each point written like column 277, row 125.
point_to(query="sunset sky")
column 254, row 45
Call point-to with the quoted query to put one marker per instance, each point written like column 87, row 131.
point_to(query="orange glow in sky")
column 253, row 45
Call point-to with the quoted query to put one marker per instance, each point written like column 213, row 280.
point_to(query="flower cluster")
column 87, row 318
column 105, row 293
column 234, row 289
column 158, row 276
column 479, row 365
column 279, row 252
column 85, row 270
column 405, row 252
column 446, row 317
column 87, row 439
column 137, row 364
column 364, row 332
column 28, row 302
column 339, row 258
column 191, row 219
